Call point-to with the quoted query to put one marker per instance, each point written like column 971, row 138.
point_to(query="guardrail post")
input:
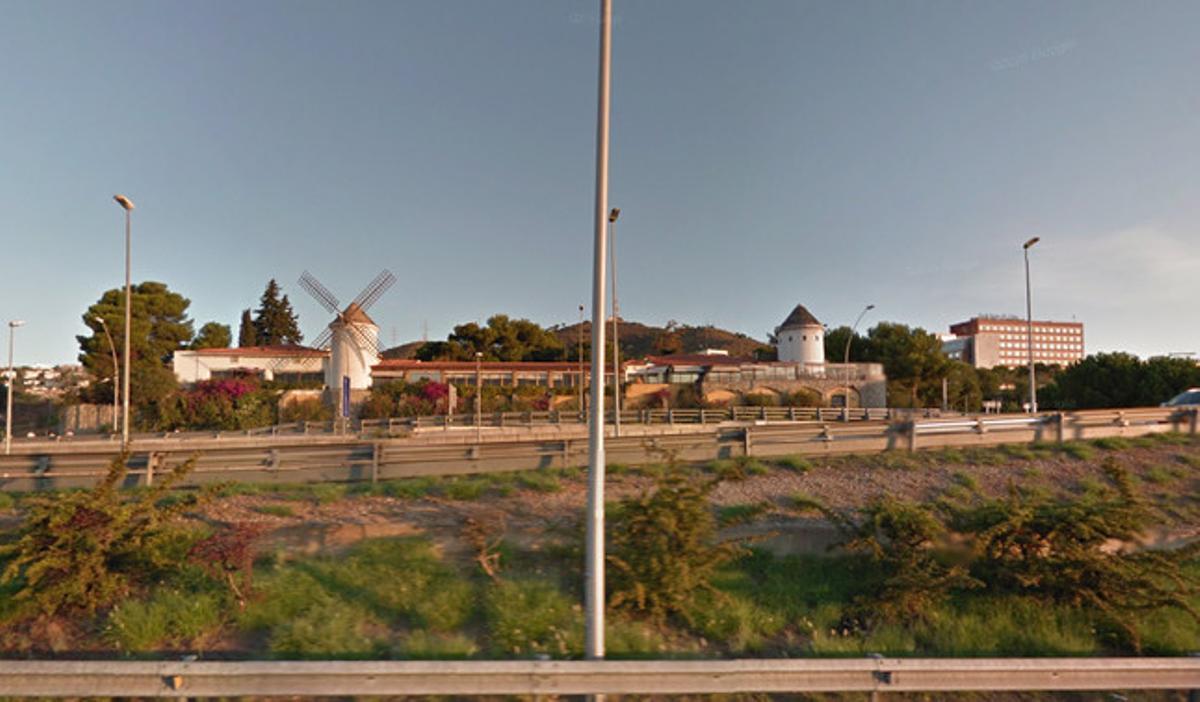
column 670, row 416
column 910, row 428
column 151, row 458
column 376, row 449
column 1059, row 430
column 1195, row 420
column 747, row 444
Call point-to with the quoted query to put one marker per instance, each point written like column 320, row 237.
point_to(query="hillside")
column 640, row 340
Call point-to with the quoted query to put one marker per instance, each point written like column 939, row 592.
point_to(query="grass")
column 170, row 618
column 276, row 510
column 526, row 617
column 965, row 480
column 1162, row 475
column 539, row 481
column 7, row 501
column 434, row 646
column 341, row 608
column 798, row 464
column 738, row 468
column 1079, row 451
column 1112, row 443
column 731, row 515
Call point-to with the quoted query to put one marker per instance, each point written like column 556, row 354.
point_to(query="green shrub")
column 663, row 546
column 7, row 501
column 1112, row 443
column 532, row 616
column 84, row 550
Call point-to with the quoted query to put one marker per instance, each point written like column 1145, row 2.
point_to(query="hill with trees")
column 505, row 339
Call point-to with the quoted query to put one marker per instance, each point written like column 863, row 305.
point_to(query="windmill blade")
column 322, row 341
column 375, row 289
column 364, row 341
column 320, row 293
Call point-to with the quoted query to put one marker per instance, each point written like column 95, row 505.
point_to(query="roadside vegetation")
column 1011, row 551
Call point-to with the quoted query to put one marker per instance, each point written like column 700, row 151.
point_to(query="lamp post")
column 10, row 375
column 126, row 205
column 616, row 311
column 112, row 349
column 594, row 586
column 478, row 397
column 580, row 359
column 846, row 359
column 1033, row 407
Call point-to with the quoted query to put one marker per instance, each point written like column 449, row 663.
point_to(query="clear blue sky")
column 764, row 154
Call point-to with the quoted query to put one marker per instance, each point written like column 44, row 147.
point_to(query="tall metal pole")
column 594, row 588
column 11, row 376
column 112, row 349
column 478, row 397
column 580, row 359
column 616, row 311
column 846, row 360
column 126, row 205
column 1033, row 407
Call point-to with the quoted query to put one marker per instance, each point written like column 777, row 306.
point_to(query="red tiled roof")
column 395, row 364
column 265, row 351
column 699, row 359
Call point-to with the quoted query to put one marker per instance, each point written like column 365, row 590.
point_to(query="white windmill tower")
column 352, row 337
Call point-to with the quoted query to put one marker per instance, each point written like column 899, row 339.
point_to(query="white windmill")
column 352, row 337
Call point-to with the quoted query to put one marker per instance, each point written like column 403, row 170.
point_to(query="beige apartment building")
column 987, row 342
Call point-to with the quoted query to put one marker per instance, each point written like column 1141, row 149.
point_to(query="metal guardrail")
column 346, row 678
column 394, row 426
column 360, row 458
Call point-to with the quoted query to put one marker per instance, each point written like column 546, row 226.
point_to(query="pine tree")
column 275, row 322
column 246, row 334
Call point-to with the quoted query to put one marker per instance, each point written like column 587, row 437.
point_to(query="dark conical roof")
column 800, row 317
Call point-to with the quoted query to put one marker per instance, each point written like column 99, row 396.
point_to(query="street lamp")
column 10, row 375
column 126, row 205
column 616, row 311
column 846, row 360
column 594, row 561
column 112, row 349
column 478, row 397
column 1033, row 407
column 580, row 359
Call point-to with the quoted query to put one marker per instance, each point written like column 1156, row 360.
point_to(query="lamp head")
column 124, row 202
column 16, row 323
column 870, row 307
column 1031, row 242
column 612, row 216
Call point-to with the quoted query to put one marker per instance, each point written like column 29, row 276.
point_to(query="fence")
column 319, row 458
column 376, row 678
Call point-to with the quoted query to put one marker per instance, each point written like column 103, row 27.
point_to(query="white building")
column 283, row 363
column 801, row 339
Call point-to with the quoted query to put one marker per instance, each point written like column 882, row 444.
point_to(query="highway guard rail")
column 670, row 677
column 289, row 459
